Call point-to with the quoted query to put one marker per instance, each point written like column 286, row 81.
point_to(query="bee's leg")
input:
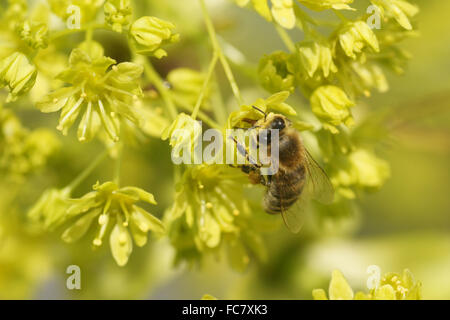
column 241, row 149
column 269, row 180
column 265, row 180
column 255, row 177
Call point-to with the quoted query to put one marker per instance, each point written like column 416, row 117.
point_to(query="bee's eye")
column 278, row 123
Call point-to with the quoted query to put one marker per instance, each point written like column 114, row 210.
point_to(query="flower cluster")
column 275, row 102
column 334, row 71
column 102, row 96
column 117, row 14
column 22, row 36
column 393, row 286
column 113, row 208
column 113, row 99
column 210, row 215
column 17, row 74
column 22, row 150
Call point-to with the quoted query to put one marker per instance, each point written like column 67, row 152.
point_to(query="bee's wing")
column 294, row 216
column 318, row 186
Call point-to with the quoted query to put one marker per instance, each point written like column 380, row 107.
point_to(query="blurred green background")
column 404, row 225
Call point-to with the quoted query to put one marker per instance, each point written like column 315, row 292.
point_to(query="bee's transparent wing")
column 294, row 216
column 318, row 186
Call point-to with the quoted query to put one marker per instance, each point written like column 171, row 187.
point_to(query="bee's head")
column 278, row 122
column 275, row 122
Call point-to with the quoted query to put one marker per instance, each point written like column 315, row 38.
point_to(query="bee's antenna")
column 256, row 108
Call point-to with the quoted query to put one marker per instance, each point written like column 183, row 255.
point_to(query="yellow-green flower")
column 401, row 10
column 327, row 4
column 260, row 6
column 361, row 168
column 101, row 96
column 150, row 33
column 114, row 209
column 276, row 72
column 353, row 37
column 33, row 34
column 316, row 56
column 283, row 13
column 117, row 13
column 398, row 287
column 332, row 106
column 185, row 135
column 18, row 74
column 88, row 8
column 49, row 210
column 210, row 215
column 275, row 102
column 22, row 150
column 339, row 289
column 392, row 286
column 363, row 76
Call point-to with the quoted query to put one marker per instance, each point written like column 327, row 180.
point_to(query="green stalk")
column 211, row 67
column 87, row 171
column 285, row 38
column 218, row 50
column 155, row 78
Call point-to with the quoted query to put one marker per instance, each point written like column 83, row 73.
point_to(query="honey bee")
column 298, row 179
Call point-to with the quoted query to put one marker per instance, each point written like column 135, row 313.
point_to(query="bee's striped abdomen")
column 284, row 190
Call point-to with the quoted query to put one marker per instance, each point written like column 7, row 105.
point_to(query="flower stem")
column 285, row 38
column 340, row 15
column 89, row 34
column 201, row 115
column 155, row 78
column 218, row 50
column 211, row 67
column 87, row 171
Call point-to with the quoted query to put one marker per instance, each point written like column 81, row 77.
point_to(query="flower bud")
column 184, row 134
column 276, row 72
column 316, row 56
column 327, row 4
column 399, row 9
column 150, row 33
column 283, row 13
column 331, row 105
column 34, row 34
column 354, row 36
column 371, row 171
column 117, row 14
column 18, row 74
